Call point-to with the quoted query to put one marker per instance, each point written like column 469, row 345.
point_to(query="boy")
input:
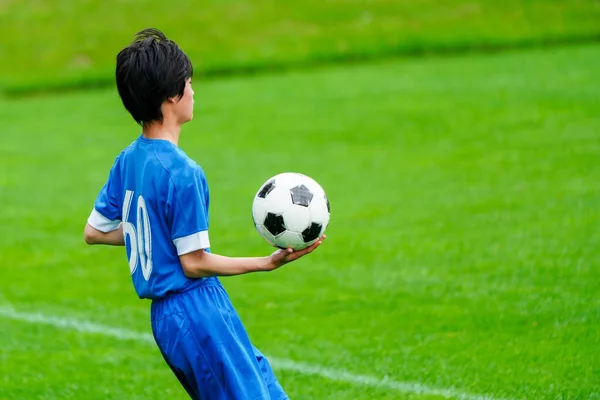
column 155, row 203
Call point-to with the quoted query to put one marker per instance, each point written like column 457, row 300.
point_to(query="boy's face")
column 184, row 108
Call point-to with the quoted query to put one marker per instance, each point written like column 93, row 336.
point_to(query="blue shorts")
column 204, row 342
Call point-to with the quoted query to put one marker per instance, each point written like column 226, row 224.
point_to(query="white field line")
column 337, row 375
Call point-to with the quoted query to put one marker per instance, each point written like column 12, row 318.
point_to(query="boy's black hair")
column 149, row 71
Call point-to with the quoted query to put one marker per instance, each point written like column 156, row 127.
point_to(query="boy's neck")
column 162, row 130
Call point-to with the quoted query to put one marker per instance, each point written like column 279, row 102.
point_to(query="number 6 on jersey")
column 140, row 235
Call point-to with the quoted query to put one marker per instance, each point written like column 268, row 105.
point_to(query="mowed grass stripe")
column 88, row 327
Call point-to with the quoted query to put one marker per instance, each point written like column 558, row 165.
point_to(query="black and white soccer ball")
column 291, row 210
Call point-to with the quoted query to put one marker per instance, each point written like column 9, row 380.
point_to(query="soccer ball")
column 291, row 210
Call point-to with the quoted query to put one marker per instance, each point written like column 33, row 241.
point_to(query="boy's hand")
column 282, row 257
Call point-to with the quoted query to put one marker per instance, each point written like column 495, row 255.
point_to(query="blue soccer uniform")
column 160, row 198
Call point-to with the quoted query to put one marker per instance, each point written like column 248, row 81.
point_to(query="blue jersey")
column 161, row 198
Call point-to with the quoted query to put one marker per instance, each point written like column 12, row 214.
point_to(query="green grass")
column 58, row 43
column 462, row 252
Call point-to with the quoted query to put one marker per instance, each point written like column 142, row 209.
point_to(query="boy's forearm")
column 113, row 238
column 202, row 264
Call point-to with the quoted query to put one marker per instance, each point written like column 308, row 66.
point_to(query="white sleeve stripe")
column 193, row 242
column 101, row 223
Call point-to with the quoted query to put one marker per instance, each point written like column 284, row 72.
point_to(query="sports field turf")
column 463, row 253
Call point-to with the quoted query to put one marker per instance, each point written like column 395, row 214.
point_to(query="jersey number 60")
column 140, row 239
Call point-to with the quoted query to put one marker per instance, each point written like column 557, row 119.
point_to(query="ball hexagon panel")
column 290, row 239
column 301, row 195
column 274, row 223
column 296, row 218
column 259, row 210
column 278, row 200
column 318, row 210
column 288, row 179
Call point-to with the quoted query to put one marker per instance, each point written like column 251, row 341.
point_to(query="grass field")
column 462, row 258
column 56, row 42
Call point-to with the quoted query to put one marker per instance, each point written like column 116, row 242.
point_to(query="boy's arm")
column 189, row 232
column 94, row 236
column 201, row 264
column 104, row 223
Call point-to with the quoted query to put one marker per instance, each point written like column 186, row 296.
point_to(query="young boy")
column 155, row 202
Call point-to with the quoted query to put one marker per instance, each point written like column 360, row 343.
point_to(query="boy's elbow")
column 190, row 271
column 90, row 235
column 192, row 264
